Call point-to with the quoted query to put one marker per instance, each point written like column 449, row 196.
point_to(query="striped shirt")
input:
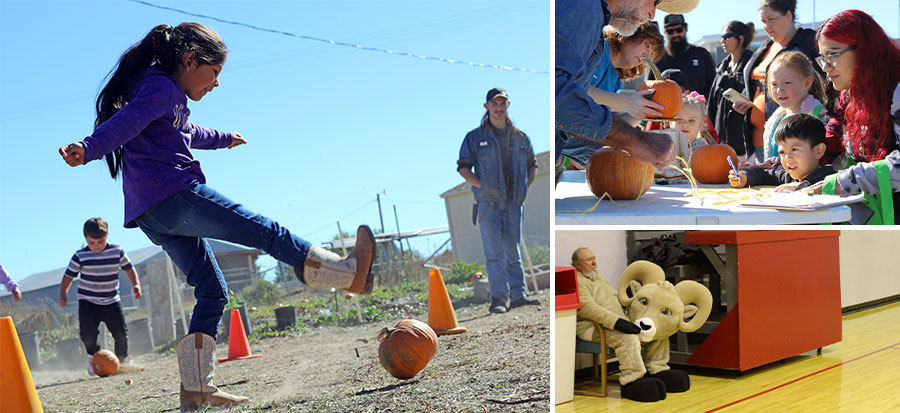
column 99, row 273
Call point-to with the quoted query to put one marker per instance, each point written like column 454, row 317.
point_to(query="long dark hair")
column 486, row 119
column 162, row 48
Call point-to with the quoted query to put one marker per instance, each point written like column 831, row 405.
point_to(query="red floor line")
column 803, row 377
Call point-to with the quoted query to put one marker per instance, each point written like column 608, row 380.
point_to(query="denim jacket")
column 481, row 150
column 579, row 47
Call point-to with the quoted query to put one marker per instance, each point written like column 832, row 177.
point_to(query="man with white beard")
column 579, row 47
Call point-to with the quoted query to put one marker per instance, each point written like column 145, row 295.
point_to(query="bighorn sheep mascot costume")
column 656, row 310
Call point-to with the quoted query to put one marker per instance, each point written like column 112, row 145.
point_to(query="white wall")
column 607, row 246
column 869, row 265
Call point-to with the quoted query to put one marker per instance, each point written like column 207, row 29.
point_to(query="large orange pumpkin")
column 709, row 164
column 105, row 363
column 407, row 348
column 668, row 93
column 617, row 173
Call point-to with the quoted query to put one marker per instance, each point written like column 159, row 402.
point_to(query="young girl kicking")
column 142, row 129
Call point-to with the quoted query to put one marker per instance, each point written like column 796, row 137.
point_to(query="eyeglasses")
column 676, row 30
column 656, row 3
column 831, row 58
column 727, row 36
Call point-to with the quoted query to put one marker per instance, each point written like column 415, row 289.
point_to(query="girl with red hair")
column 863, row 63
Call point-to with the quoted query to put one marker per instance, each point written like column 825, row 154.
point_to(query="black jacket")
column 804, row 41
column 697, row 65
column 760, row 176
column 728, row 123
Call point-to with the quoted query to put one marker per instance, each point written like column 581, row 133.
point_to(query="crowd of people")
column 792, row 109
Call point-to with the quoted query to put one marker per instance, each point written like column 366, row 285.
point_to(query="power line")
column 344, row 44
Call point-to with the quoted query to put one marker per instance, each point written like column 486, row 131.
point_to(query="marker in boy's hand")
column 73, row 153
column 236, row 140
column 736, row 178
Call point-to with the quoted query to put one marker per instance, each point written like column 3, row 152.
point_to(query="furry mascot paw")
column 676, row 381
column 645, row 389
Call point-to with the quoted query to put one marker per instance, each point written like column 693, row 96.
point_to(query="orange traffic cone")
column 15, row 377
column 238, row 347
column 441, row 316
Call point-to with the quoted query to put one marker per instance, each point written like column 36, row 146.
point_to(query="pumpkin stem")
column 653, row 69
column 384, row 333
column 709, row 139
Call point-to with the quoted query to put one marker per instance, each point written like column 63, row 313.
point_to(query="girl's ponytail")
column 112, row 97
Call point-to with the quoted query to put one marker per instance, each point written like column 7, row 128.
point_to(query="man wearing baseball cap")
column 694, row 61
column 504, row 165
column 579, row 47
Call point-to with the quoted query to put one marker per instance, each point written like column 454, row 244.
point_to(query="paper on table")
column 799, row 201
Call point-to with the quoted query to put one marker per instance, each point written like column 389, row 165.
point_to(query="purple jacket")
column 7, row 281
column 156, row 137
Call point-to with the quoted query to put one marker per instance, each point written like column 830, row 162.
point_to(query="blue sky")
column 328, row 127
column 711, row 15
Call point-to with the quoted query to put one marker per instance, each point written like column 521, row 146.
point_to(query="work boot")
column 196, row 364
column 324, row 268
column 523, row 300
column 498, row 306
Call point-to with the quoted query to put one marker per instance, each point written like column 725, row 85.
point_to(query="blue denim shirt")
column 579, row 48
column 480, row 149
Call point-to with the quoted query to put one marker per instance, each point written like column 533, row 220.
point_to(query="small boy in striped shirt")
column 98, row 290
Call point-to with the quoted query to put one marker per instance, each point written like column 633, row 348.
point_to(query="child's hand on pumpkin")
column 737, row 180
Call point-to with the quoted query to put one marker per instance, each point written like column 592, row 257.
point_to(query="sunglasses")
column 656, row 3
column 727, row 36
column 675, row 30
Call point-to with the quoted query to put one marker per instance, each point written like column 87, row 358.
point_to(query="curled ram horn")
column 697, row 303
column 645, row 272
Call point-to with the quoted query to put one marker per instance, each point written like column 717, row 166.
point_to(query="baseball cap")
column 677, row 6
column 493, row 93
column 673, row 19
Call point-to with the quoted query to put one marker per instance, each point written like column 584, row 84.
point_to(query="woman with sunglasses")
column 778, row 18
column 863, row 63
column 729, row 124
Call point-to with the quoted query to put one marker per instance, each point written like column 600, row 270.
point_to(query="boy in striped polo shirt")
column 98, row 290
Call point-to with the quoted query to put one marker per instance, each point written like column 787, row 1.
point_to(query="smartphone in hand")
column 735, row 97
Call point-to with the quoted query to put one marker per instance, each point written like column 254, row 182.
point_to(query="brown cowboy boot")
column 324, row 268
column 196, row 363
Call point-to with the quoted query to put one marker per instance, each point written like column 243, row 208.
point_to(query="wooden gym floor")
column 858, row 374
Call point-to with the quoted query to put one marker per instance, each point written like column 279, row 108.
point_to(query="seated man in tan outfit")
column 600, row 304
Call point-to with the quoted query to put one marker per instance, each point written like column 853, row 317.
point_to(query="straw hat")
column 677, row 6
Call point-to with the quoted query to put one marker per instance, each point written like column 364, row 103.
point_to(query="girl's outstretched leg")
column 323, row 268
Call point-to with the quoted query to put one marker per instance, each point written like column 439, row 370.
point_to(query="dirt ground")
column 501, row 364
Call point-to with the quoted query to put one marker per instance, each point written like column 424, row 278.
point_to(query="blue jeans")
column 179, row 225
column 500, row 229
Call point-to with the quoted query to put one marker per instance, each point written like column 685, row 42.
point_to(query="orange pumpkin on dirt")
column 105, row 363
column 709, row 164
column 407, row 348
column 617, row 173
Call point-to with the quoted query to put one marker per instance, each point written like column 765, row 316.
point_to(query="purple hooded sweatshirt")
column 156, row 139
column 7, row 281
